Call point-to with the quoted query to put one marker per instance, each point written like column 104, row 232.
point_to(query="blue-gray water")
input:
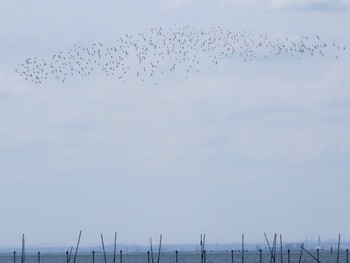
column 183, row 257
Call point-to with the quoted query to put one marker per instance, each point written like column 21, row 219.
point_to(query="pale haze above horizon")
column 246, row 146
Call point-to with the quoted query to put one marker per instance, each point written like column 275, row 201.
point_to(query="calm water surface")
column 182, row 257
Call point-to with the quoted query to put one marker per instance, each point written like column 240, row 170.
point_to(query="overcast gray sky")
column 245, row 148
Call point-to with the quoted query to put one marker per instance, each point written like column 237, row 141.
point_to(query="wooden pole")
column 260, row 251
column 176, row 256
column 347, row 255
column 93, row 256
column 160, row 245
column 271, row 249
column 310, row 254
column 301, row 252
column 38, row 256
column 201, row 245
column 121, row 256
column 242, row 248
column 338, row 249
column 318, row 254
column 275, row 249
column 67, row 258
column 203, row 249
column 14, row 256
column 70, row 254
column 23, row 250
column 204, row 256
column 103, row 248
column 150, row 241
column 76, row 250
column 288, row 255
column 232, row 256
column 148, row 260
column 115, row 247
column 281, row 249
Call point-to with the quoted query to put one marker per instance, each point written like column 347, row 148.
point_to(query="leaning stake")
column 76, row 250
column 160, row 245
column 338, row 249
column 103, row 248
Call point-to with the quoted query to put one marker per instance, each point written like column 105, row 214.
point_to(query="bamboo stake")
column 338, row 249
column 150, row 240
column 271, row 249
column 76, row 250
column 115, row 246
column 103, row 248
column 203, row 248
column 281, row 249
column 70, row 254
column 301, row 252
column 275, row 249
column 201, row 245
column 242, row 248
column 160, row 245
column 302, row 247
column 268, row 243
column 23, row 250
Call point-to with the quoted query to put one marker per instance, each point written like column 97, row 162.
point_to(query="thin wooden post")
column 204, row 256
column 242, row 248
column 38, row 256
column 274, row 249
column 121, row 256
column 232, row 256
column 347, row 255
column 70, row 254
column 14, row 256
column 318, row 254
column 148, row 260
column 103, row 248
column 67, row 256
column 23, row 250
column 150, row 241
column 93, row 256
column 311, row 255
column 115, row 247
column 301, row 252
column 260, row 251
column 176, row 257
column 281, row 249
column 288, row 255
column 76, row 249
column 160, row 245
column 338, row 249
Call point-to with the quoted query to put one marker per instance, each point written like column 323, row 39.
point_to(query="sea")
column 292, row 256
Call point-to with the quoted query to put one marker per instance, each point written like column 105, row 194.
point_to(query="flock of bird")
column 162, row 51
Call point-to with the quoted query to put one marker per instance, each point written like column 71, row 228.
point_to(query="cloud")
column 293, row 4
column 176, row 4
column 309, row 4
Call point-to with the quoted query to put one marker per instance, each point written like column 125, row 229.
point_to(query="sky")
column 245, row 148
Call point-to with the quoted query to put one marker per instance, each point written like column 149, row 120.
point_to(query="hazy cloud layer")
column 219, row 148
